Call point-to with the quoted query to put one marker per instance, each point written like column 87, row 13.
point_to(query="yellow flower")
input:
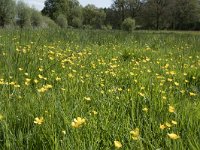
column 171, row 109
column 64, row 132
column 173, row 136
column 145, row 109
column 58, row 79
column 135, row 134
column 70, row 75
column 40, row 76
column 169, row 79
column 40, row 69
column 192, row 94
column 141, row 94
column 174, row 122
column 42, row 90
column 162, row 126
column 48, row 86
column 176, row 83
column 172, row 72
column 117, row 144
column 39, row 120
column 20, row 69
column 87, row 98
column 94, row 112
column 36, row 81
column 78, row 122
column 168, row 124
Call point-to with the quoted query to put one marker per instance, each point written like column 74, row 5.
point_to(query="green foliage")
column 7, row 12
column 36, row 18
column 76, row 22
column 23, row 15
column 61, row 20
column 53, row 8
column 93, row 16
column 128, row 24
column 48, row 23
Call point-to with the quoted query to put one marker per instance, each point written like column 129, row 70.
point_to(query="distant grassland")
column 99, row 90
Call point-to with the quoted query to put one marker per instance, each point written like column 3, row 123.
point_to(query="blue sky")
column 39, row 4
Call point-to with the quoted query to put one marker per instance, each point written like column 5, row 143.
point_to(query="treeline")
column 19, row 14
column 122, row 14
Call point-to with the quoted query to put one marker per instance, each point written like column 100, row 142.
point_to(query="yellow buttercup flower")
column 145, row 109
column 135, row 134
column 192, row 94
column 173, row 136
column 87, row 98
column 78, row 122
column 171, row 109
column 174, row 122
column 162, row 126
column 168, row 124
column 39, row 120
column 117, row 144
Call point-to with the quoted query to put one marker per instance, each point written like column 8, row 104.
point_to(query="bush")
column 62, row 21
column 23, row 15
column 48, row 23
column 87, row 27
column 128, row 24
column 76, row 22
column 36, row 19
column 106, row 27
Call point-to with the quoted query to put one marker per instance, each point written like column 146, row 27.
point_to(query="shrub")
column 23, row 15
column 36, row 19
column 48, row 23
column 77, row 22
column 128, row 24
column 62, row 21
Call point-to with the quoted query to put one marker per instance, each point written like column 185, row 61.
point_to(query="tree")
column 153, row 12
column 76, row 22
column 7, row 12
column 132, row 7
column 53, row 8
column 128, row 24
column 186, row 13
column 62, row 21
column 36, row 18
column 93, row 16
column 75, row 18
column 119, row 6
column 23, row 15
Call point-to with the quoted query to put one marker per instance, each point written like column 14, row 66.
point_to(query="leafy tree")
column 23, row 15
column 186, row 13
column 7, row 12
column 128, row 24
column 36, row 18
column 93, row 16
column 153, row 12
column 62, row 21
column 48, row 22
column 53, row 8
column 76, row 22
column 119, row 6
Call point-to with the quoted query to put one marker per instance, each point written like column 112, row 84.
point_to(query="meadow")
column 99, row 90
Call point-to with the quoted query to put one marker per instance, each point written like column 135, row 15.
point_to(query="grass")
column 115, row 81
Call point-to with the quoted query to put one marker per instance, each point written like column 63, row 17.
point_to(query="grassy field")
column 99, row 90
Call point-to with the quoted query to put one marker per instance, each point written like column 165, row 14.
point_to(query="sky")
column 39, row 4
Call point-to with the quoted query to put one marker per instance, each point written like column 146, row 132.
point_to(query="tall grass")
column 114, row 80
